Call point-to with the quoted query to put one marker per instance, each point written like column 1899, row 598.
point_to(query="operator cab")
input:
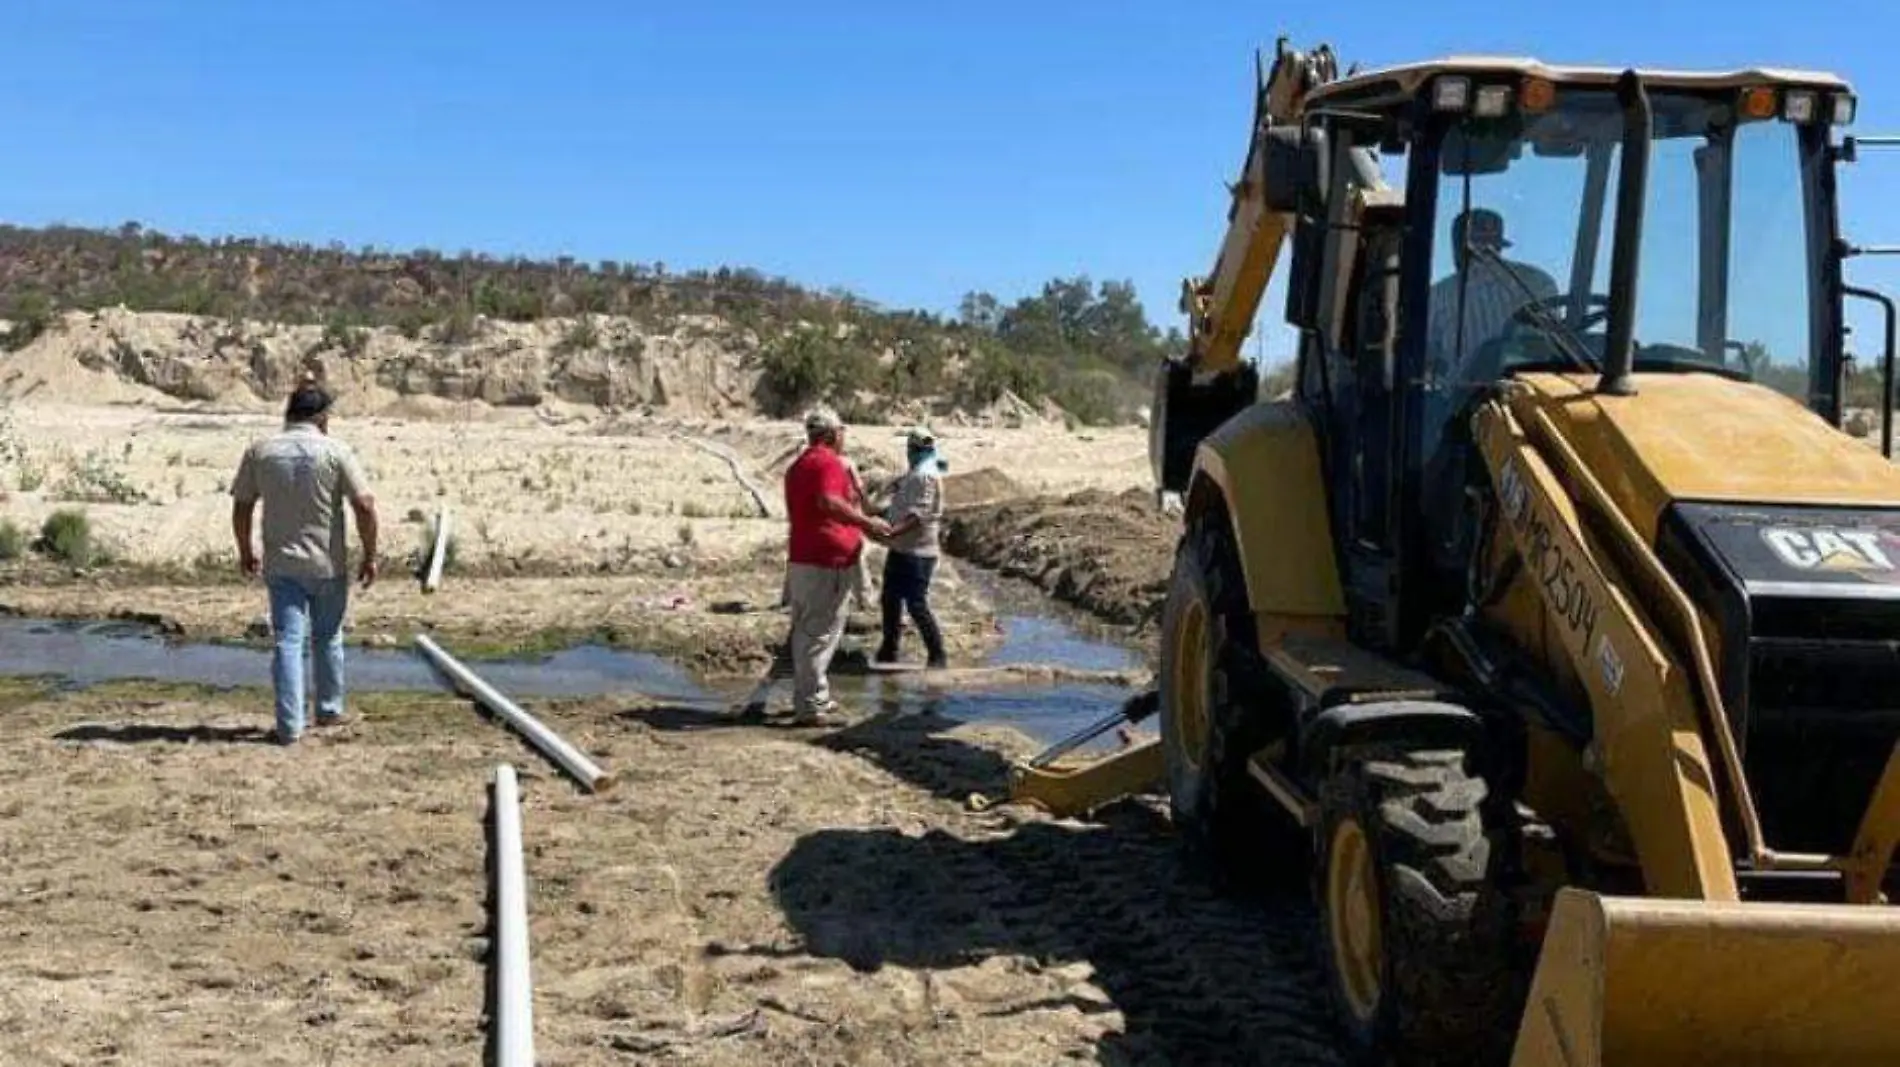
column 1486, row 217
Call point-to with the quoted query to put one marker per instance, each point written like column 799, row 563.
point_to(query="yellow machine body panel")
column 1706, row 438
column 1630, row 982
column 1264, row 463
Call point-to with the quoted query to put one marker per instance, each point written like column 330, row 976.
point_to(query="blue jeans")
column 312, row 609
column 907, row 585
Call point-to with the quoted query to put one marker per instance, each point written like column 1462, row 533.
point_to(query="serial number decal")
column 1556, row 572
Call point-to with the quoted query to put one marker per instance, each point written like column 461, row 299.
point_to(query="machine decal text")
column 1561, row 578
column 1828, row 548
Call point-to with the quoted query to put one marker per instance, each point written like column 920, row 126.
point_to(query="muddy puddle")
column 88, row 653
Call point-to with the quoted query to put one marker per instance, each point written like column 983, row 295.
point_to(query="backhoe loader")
column 1550, row 628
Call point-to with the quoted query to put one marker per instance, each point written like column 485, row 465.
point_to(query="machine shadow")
column 1198, row 976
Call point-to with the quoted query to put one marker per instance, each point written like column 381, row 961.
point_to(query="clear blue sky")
column 908, row 152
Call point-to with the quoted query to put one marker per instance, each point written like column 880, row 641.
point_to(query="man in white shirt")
column 916, row 517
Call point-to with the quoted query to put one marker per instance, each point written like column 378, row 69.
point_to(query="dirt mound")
column 1106, row 553
column 979, row 487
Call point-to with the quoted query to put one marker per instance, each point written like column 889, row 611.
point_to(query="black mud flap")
column 1185, row 413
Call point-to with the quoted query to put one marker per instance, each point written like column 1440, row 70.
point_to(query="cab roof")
column 1409, row 78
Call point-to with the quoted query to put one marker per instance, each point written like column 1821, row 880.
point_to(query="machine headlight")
column 1451, row 94
column 1492, row 101
column 1843, row 106
column 1797, row 106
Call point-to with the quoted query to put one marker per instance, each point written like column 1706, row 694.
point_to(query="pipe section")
column 551, row 744
column 514, row 992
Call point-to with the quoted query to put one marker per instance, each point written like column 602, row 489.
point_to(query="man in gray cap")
column 825, row 543
column 303, row 476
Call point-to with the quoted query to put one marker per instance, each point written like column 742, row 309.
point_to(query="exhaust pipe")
column 1631, row 195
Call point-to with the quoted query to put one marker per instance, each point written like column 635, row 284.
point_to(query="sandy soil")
column 609, row 526
column 173, row 892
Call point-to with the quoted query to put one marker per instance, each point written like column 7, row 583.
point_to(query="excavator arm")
column 1210, row 382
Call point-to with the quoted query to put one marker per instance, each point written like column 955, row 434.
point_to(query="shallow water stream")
column 88, row 653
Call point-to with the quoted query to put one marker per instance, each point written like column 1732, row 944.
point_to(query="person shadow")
column 1198, row 975
column 153, row 733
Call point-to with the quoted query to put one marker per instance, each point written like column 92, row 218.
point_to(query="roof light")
column 1538, row 95
column 1493, row 100
column 1758, row 102
column 1798, row 106
column 1451, row 94
column 1843, row 106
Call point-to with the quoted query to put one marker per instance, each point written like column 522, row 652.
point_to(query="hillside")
column 249, row 314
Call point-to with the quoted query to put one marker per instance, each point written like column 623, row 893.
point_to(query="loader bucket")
column 1634, row 981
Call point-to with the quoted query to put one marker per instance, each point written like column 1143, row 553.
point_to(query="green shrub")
column 12, row 541
column 67, row 535
column 31, row 315
column 809, row 365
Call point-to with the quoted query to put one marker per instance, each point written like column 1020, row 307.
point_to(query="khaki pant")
column 819, row 598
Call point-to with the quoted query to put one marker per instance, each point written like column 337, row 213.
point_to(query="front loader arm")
column 1646, row 728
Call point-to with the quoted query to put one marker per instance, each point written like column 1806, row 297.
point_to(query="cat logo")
column 1822, row 548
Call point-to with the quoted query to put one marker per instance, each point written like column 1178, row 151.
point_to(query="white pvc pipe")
column 514, row 992
column 551, row 744
column 432, row 579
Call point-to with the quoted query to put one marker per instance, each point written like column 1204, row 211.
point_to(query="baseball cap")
column 1482, row 227
column 819, row 419
column 307, row 402
column 919, row 437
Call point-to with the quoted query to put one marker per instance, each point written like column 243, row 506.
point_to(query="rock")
column 259, row 627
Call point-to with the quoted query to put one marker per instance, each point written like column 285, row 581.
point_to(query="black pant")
column 907, row 585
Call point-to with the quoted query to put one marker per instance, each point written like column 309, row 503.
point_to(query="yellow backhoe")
column 1551, row 625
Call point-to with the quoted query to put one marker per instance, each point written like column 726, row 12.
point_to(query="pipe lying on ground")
column 733, row 463
column 438, row 555
column 513, row 1019
column 551, row 744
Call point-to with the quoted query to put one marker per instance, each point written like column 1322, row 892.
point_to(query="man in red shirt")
column 827, row 537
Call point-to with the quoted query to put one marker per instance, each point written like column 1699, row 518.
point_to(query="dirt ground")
column 175, row 892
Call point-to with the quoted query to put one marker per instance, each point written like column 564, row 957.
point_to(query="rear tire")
column 1414, row 929
column 1212, row 720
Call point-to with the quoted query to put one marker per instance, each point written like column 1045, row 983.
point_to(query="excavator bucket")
column 1632, row 981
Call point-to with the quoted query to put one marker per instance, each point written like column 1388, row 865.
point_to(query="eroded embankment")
column 1108, row 554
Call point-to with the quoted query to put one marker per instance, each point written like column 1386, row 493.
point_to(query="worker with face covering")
column 915, row 515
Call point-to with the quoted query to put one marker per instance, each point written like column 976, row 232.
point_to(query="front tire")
column 1208, row 728
column 1414, row 928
